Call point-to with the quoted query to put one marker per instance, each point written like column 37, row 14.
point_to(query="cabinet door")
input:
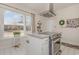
column 33, row 46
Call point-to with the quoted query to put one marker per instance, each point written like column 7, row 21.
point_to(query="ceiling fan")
column 49, row 13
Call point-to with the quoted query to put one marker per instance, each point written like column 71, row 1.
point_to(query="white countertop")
column 41, row 36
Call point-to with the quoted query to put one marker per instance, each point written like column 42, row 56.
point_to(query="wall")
column 48, row 24
column 1, row 22
column 69, row 35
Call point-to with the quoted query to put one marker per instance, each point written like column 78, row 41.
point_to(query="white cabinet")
column 36, row 46
column 29, row 46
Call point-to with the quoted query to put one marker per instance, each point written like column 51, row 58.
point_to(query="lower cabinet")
column 29, row 46
column 36, row 46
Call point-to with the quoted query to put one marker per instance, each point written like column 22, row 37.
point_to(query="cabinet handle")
column 27, row 41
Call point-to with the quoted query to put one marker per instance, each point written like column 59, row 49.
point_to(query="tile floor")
column 69, row 51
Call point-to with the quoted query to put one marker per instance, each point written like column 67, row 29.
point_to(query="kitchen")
column 39, row 33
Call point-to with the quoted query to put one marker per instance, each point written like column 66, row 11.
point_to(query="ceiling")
column 39, row 7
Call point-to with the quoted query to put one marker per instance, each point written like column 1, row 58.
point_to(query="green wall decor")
column 61, row 22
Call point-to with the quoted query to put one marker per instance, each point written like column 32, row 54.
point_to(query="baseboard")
column 70, row 45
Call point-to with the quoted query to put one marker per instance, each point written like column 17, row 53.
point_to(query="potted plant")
column 16, row 33
column 16, row 41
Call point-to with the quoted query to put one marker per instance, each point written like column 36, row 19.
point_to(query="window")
column 13, row 22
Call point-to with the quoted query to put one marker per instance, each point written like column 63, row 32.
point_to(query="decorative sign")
column 73, row 23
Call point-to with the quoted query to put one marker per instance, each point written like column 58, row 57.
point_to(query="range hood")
column 49, row 13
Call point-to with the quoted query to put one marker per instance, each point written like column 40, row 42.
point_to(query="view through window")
column 13, row 23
